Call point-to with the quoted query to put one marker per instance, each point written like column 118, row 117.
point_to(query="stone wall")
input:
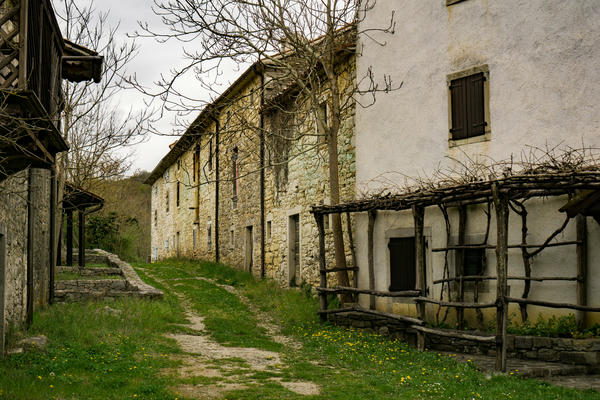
column 564, row 350
column 93, row 289
column 239, row 221
column 13, row 218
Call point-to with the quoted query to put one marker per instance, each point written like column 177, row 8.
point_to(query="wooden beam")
column 462, row 227
column 419, row 217
column 455, row 334
column 501, row 206
column 454, row 304
column 582, row 266
column 345, row 289
column 322, row 265
column 352, row 251
column 70, row 237
column 371, row 264
column 552, row 304
column 357, row 309
column 81, row 214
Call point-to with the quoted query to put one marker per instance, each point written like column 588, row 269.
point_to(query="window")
column 473, row 261
column 166, row 174
column 232, row 238
column 195, row 238
column 234, row 175
column 403, row 264
column 155, row 218
column 196, row 162
column 269, row 230
column 178, row 193
column 209, row 236
column 178, row 164
column 469, row 104
column 156, row 190
column 210, row 154
column 167, row 244
column 155, row 253
column 167, row 201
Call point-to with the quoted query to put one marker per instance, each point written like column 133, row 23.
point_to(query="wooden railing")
column 35, row 64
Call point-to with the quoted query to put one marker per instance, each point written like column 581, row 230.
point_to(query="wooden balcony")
column 33, row 62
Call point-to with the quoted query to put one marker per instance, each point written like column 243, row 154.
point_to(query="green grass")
column 97, row 355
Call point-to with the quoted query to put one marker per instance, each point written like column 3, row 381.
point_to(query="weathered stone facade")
column 14, row 220
column 227, row 147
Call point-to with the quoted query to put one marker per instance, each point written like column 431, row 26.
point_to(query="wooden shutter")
column 458, row 96
column 468, row 110
column 475, row 108
column 403, row 272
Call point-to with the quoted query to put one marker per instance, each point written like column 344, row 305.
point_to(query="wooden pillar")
column 81, row 214
column 53, row 242
column 322, row 265
column 419, row 216
column 581, row 268
column 70, row 237
column 353, row 251
column 371, row 229
column 501, row 206
column 460, row 265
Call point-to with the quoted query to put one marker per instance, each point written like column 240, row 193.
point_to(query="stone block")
column 542, row 342
column 579, row 357
column 523, row 342
column 37, row 343
column 548, row 355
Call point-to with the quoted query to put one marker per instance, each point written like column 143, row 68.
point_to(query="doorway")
column 294, row 249
column 249, row 246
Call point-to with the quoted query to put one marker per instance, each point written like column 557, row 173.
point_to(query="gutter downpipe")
column 262, row 174
column 217, row 128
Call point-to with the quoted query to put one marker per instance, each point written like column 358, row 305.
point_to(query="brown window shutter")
column 475, row 105
column 403, row 274
column 458, row 96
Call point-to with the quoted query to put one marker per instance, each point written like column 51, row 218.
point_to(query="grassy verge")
column 98, row 354
column 95, row 354
column 347, row 364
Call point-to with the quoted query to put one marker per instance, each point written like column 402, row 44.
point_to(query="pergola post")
column 70, row 237
column 460, row 265
column 371, row 229
column 81, row 214
column 322, row 266
column 581, row 268
column 501, row 206
column 419, row 217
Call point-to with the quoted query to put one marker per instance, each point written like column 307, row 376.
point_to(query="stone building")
column 237, row 187
column 33, row 61
column 483, row 82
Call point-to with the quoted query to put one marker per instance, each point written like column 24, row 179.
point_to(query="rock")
column 13, row 351
column 384, row 331
column 109, row 310
column 37, row 343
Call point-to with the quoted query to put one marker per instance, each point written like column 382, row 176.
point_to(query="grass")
column 97, row 355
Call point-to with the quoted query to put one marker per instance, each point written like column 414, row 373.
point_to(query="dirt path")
column 213, row 369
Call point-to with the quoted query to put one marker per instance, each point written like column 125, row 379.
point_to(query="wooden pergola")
column 504, row 193
column 84, row 202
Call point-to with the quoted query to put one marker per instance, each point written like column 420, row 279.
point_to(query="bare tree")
column 302, row 42
column 92, row 122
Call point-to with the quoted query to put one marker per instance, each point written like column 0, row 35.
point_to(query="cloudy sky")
column 153, row 59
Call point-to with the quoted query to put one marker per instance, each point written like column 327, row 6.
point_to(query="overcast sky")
column 153, row 59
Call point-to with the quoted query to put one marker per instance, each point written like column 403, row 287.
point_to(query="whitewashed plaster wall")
column 544, row 90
